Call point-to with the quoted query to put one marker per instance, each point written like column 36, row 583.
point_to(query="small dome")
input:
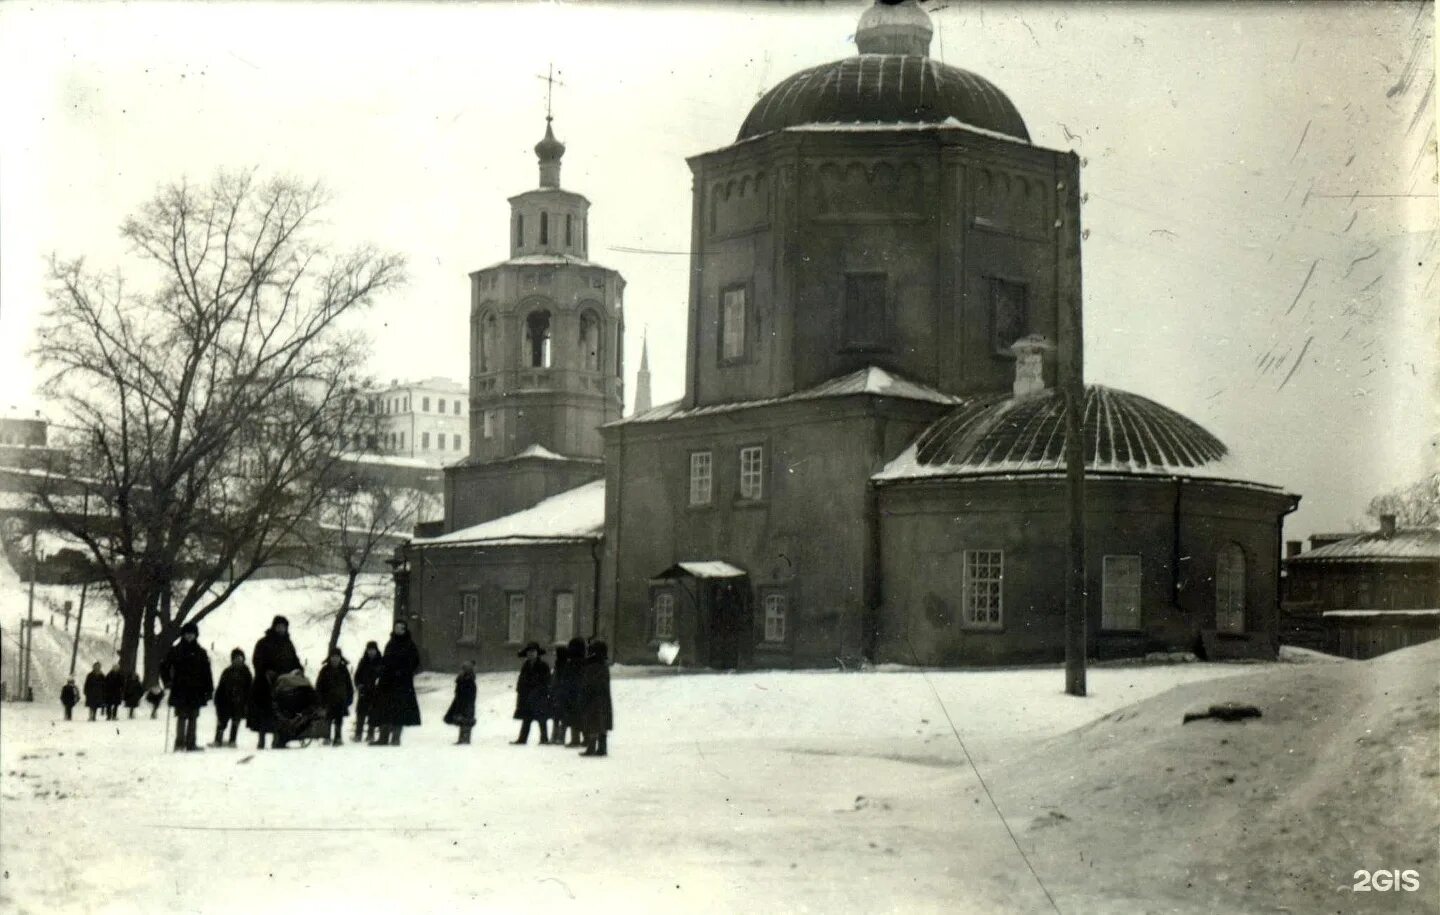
column 884, row 89
column 894, row 27
column 1123, row 432
column 549, row 149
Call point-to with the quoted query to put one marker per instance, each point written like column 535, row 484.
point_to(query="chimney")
column 1387, row 526
column 1030, row 353
column 1293, row 548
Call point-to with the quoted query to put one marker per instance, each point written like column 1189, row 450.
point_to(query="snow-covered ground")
column 758, row 792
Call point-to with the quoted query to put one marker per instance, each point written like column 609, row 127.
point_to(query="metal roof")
column 574, row 516
column 1414, row 544
column 704, row 568
column 870, row 380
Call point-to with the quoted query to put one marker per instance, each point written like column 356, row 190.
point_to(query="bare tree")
column 366, row 513
column 210, row 396
column 1415, row 505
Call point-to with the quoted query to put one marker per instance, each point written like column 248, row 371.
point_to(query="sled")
column 299, row 716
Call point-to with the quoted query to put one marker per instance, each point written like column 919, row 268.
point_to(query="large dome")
column 1123, row 433
column 884, row 89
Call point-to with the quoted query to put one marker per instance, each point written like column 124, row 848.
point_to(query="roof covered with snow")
column 546, row 260
column 703, row 568
column 575, row 515
column 1414, row 544
column 870, row 380
column 1002, row 435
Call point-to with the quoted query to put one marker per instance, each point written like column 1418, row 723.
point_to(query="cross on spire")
column 550, row 83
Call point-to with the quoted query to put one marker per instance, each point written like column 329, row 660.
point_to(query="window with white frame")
column 984, row 580
column 702, row 477
column 515, row 617
column 1120, row 592
column 469, row 617
column 1230, row 589
column 564, row 616
column 776, row 613
column 732, row 323
column 665, row 615
column 752, row 472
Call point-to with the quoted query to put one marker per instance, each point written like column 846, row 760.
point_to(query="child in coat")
column 69, row 696
column 462, row 708
column 336, row 692
column 154, row 695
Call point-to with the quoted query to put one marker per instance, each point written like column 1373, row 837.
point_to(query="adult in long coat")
column 461, row 712
column 395, row 704
column 134, row 690
column 185, row 671
column 532, row 693
column 114, row 692
column 597, row 715
column 367, row 676
column 274, row 655
column 95, row 690
column 232, row 696
column 565, row 693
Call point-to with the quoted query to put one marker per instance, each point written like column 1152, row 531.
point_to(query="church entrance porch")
column 705, row 606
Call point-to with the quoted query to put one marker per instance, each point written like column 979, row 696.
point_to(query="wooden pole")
column 30, row 616
column 1072, row 381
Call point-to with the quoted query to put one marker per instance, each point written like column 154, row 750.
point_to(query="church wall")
column 440, row 577
column 474, row 494
column 960, row 225
column 809, row 538
column 925, row 529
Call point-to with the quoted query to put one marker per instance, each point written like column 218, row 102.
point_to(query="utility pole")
column 1072, row 385
column 84, row 586
column 30, row 616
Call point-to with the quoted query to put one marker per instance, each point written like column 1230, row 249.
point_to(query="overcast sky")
column 1260, row 179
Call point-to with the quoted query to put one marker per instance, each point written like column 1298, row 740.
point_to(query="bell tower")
column 546, row 365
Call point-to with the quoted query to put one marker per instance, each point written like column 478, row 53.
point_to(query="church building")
column 867, row 462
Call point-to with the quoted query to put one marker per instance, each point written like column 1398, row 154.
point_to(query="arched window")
column 519, row 230
column 489, row 338
column 1230, row 588
column 544, row 228
column 590, row 341
column 537, row 339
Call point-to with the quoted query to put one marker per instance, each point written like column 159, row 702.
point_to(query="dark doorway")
column 727, row 623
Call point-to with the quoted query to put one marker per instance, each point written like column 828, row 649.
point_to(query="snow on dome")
column 1124, row 433
column 574, row 515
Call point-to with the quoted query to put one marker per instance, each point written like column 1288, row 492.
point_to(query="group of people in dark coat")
column 104, row 692
column 576, row 698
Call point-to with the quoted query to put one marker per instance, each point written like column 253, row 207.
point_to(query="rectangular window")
column 402, row 441
column 701, row 477
column 469, row 617
column 984, row 578
column 440, row 439
column 457, row 408
column 1120, row 592
column 425, row 405
column 665, row 615
column 440, row 408
column 455, row 441
column 776, row 606
column 515, row 618
column 865, row 311
column 569, row 229
column 564, row 616
column 488, row 424
column 752, row 472
column 425, row 441
column 544, row 228
column 1009, row 314
column 732, row 323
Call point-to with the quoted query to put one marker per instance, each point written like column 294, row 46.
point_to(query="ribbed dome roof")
column 1123, row 433
column 884, row 88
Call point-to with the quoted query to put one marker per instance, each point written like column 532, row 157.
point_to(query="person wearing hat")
column 461, row 712
column 69, row 696
column 114, row 691
column 185, row 671
column 597, row 716
column 336, row 692
column 396, row 705
column 95, row 690
column 367, row 676
column 231, row 696
column 532, row 693
column 274, row 655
